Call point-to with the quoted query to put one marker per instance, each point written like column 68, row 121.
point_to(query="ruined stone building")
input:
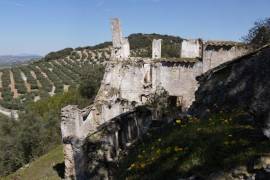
column 128, row 83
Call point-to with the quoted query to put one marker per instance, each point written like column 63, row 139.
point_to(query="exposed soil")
column 12, row 86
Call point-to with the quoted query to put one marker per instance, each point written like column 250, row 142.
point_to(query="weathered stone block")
column 191, row 49
column 121, row 48
column 156, row 48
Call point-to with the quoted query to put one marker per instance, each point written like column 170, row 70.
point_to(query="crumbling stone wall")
column 216, row 53
column 114, row 138
column 127, row 84
column 178, row 79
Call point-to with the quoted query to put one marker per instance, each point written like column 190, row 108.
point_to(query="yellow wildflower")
column 177, row 149
column 142, row 165
column 178, row 121
column 132, row 166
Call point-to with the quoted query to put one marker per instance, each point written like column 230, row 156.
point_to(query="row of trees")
column 30, row 79
column 19, row 82
column 38, row 129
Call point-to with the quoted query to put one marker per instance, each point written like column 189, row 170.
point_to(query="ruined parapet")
column 156, row 48
column 191, row 48
column 121, row 48
column 218, row 52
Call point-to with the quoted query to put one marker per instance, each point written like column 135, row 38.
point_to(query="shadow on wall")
column 241, row 84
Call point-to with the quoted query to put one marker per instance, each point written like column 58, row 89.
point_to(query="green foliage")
column 195, row 147
column 58, row 55
column 30, row 78
column 90, row 82
column 35, row 133
column 259, row 35
column 98, row 46
column 19, row 82
column 45, row 83
column 7, row 95
column 170, row 44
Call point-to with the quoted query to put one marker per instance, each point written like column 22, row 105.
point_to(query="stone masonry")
column 156, row 49
column 191, row 48
column 121, row 49
column 128, row 83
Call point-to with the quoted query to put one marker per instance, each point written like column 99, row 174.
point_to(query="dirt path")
column 57, row 62
column 12, row 85
column 63, row 61
column 27, row 85
column 43, row 73
column 51, row 64
column 52, row 92
column 35, row 77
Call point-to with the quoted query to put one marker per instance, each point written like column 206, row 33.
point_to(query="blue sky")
column 41, row 26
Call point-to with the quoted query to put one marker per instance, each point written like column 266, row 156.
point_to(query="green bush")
column 35, row 133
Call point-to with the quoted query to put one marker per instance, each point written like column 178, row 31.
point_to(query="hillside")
column 218, row 147
column 49, row 166
column 61, row 70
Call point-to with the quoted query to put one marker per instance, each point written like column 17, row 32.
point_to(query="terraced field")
column 61, row 70
column 32, row 82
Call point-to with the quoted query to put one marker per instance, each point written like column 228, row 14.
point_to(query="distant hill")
column 58, row 71
column 140, row 45
column 7, row 60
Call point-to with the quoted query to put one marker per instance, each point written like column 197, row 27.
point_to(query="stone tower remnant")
column 156, row 48
column 121, row 48
column 191, row 48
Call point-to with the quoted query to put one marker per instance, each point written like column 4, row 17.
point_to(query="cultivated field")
column 37, row 80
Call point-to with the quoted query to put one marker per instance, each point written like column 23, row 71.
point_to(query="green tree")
column 90, row 80
column 259, row 35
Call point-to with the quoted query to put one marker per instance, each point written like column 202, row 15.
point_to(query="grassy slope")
column 46, row 167
column 195, row 147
